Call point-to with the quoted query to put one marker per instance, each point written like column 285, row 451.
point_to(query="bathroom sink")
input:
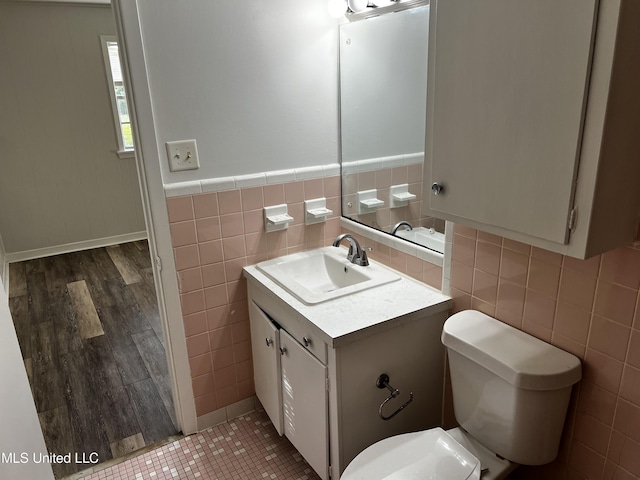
column 322, row 274
column 426, row 237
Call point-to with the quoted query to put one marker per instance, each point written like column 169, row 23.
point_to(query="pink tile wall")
column 385, row 218
column 587, row 307
column 411, row 266
column 214, row 235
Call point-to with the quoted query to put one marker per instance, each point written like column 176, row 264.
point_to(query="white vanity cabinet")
column 305, row 402
column 292, row 387
column 533, row 116
column 265, row 347
column 316, row 366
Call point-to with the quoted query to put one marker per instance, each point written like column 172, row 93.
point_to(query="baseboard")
column 74, row 247
column 225, row 414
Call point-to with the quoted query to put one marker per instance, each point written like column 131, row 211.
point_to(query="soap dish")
column 399, row 195
column 368, row 201
column 276, row 218
column 316, row 211
column 279, row 219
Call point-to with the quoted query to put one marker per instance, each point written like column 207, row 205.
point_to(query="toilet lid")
column 427, row 455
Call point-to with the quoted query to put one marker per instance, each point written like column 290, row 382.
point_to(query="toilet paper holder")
column 383, row 382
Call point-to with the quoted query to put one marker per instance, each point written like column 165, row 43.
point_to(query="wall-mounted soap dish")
column 368, row 201
column 399, row 195
column 276, row 218
column 316, row 211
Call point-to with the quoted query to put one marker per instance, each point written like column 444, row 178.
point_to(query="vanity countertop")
column 352, row 317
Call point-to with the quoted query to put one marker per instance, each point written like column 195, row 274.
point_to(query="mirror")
column 383, row 90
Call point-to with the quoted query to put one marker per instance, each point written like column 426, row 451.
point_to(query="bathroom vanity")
column 316, row 365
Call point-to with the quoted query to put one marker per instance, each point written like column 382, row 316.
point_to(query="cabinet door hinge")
column 327, row 383
column 573, row 216
column 159, row 263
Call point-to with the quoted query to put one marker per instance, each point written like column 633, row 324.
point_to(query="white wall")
column 20, row 432
column 60, row 179
column 255, row 83
column 383, row 85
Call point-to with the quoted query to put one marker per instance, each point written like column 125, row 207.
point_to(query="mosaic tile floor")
column 247, row 447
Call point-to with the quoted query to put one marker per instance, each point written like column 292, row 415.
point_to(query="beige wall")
column 587, row 307
column 61, row 181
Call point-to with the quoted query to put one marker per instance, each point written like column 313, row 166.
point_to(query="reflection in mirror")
column 383, row 89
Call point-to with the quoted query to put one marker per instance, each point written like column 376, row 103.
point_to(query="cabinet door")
column 265, row 346
column 507, row 91
column 305, row 403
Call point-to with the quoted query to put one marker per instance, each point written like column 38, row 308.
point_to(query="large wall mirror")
column 383, row 96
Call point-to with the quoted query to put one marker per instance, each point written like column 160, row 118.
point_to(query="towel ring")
column 383, row 382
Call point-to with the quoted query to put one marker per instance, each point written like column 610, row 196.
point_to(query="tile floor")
column 247, row 447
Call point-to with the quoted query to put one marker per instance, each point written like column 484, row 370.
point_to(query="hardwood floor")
column 90, row 335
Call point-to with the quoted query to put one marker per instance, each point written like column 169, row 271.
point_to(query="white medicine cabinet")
column 533, row 120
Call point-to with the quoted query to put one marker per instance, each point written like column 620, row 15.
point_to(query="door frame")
column 147, row 157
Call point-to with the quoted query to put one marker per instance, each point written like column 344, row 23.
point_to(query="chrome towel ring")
column 383, row 382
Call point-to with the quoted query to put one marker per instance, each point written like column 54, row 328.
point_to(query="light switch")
column 183, row 155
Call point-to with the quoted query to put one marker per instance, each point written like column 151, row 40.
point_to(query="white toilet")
column 510, row 394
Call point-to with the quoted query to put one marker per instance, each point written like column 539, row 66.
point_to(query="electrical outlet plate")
column 182, row 155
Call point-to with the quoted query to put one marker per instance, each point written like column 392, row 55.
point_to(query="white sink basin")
column 424, row 236
column 324, row 273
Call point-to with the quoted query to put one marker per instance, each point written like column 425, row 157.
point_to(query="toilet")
column 510, row 395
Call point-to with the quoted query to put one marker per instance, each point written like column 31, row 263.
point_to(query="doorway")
column 91, row 339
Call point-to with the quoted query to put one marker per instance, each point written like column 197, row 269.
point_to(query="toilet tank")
column 510, row 390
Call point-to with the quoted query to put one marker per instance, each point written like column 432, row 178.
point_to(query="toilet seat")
column 426, row 455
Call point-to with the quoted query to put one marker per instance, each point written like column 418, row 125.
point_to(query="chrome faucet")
column 356, row 255
column 399, row 224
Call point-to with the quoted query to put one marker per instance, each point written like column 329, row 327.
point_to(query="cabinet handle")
column 437, row 188
column 306, row 341
column 283, row 350
column 268, row 341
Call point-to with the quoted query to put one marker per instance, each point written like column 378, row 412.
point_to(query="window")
column 118, row 95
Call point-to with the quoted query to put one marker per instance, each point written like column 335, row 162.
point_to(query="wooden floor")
column 91, row 340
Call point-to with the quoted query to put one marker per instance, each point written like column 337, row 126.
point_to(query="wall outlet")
column 183, row 155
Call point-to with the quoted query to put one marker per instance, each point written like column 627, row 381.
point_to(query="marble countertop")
column 345, row 319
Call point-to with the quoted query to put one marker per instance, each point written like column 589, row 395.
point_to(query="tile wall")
column 214, row 235
column 589, row 308
column 382, row 178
